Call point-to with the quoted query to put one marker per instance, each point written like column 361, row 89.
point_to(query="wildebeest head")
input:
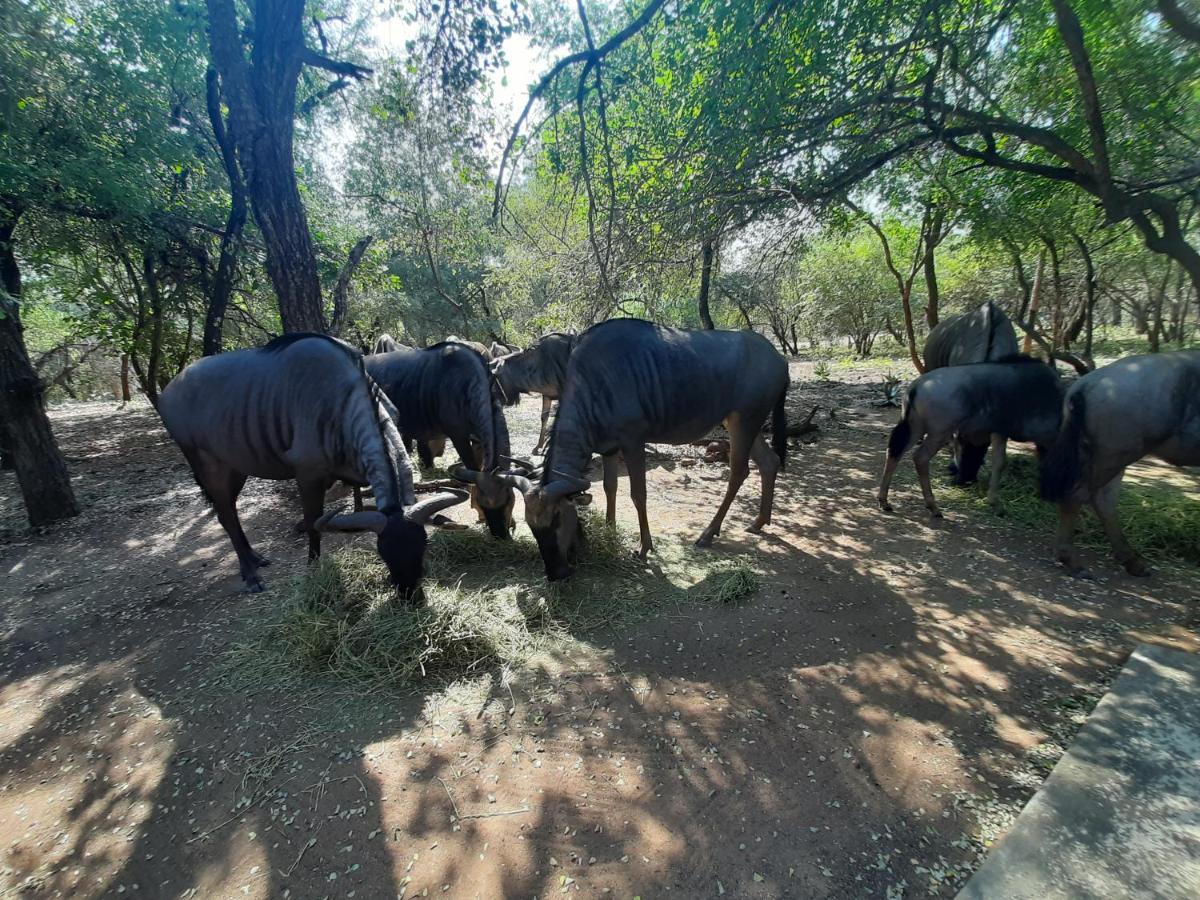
column 551, row 512
column 400, row 537
column 510, row 374
column 492, row 496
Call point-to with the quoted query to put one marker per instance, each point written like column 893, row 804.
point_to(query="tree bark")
column 1035, row 300
column 221, row 287
column 933, row 237
column 706, row 264
column 41, row 469
column 341, row 290
column 1090, row 295
column 126, row 394
column 261, row 95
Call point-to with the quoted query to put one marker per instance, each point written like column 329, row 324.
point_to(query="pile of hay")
column 1161, row 522
column 487, row 604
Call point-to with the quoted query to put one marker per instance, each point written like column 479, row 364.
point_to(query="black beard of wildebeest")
column 446, row 391
column 629, row 383
column 540, row 369
column 1138, row 406
column 301, row 407
column 1016, row 399
column 983, row 334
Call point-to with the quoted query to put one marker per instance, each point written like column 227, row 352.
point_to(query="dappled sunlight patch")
column 72, row 816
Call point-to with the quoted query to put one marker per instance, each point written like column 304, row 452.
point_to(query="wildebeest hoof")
column 705, row 540
column 1137, row 567
column 253, row 585
column 755, row 528
column 885, row 506
column 1081, row 572
column 935, row 513
column 997, row 508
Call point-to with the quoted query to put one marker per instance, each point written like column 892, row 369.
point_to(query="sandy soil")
column 864, row 727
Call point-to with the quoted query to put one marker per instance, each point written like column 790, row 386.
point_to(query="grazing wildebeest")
column 540, row 369
column 301, row 407
column 385, row 343
column 630, row 383
column 479, row 348
column 498, row 350
column 1016, row 399
column 983, row 334
column 1138, row 406
column 444, row 392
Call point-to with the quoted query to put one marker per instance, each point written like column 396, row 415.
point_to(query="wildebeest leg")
column 768, row 467
column 921, row 457
column 541, row 441
column 1104, row 501
column 635, row 464
column 885, row 483
column 1064, row 538
column 222, row 485
column 610, row 488
column 740, row 443
column 312, row 501
column 999, row 448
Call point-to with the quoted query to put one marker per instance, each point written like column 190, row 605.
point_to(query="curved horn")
column 520, row 463
column 421, row 512
column 582, row 484
column 561, row 488
column 520, row 482
column 366, row 520
column 463, row 474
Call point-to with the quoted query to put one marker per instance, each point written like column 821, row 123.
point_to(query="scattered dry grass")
column 487, row 605
column 1162, row 523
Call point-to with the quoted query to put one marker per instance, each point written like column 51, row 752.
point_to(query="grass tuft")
column 1162, row 523
column 487, row 605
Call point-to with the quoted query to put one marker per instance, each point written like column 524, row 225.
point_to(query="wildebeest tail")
column 901, row 435
column 779, row 429
column 1062, row 465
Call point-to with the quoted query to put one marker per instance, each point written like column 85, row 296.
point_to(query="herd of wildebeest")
column 314, row 409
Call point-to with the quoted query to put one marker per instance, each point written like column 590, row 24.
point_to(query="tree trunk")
column 154, row 357
column 706, row 264
column 261, row 95
column 221, row 287
column 933, row 237
column 1035, row 300
column 1090, row 296
column 126, row 394
column 341, row 290
column 41, row 470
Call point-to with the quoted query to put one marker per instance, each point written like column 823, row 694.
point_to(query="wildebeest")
column 1016, row 399
column 1138, row 406
column 983, row 334
column 444, row 392
column 629, row 383
column 300, row 407
column 497, row 350
column 540, row 369
column 385, row 343
column 479, row 348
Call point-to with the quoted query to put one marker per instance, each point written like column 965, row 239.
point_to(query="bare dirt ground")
column 864, row 727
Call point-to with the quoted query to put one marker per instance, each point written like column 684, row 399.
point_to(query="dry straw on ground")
column 487, row 605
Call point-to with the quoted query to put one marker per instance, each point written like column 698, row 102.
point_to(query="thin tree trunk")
column 41, row 470
column 1035, row 301
column 231, row 240
column 126, row 394
column 706, row 264
column 1090, row 295
column 341, row 290
column 933, row 237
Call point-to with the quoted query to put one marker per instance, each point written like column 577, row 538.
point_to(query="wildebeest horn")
column 365, row 520
column 520, row 482
column 581, row 484
column 564, row 486
column 420, row 512
column 524, row 464
column 462, row 473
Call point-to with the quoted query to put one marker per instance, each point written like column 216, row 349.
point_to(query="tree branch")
column 310, row 57
column 341, row 289
column 1179, row 20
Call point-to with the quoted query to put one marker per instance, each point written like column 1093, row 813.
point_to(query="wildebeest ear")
column 423, row 511
column 366, row 520
column 584, row 499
